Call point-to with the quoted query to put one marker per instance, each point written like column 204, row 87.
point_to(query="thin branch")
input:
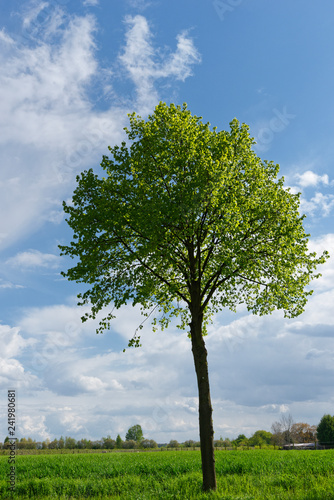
column 249, row 279
column 141, row 324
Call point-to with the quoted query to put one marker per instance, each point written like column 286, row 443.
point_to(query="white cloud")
column 44, row 105
column 5, row 38
column 32, row 13
column 91, row 3
column 9, row 285
column 142, row 63
column 91, row 384
column 259, row 368
column 318, row 245
column 179, row 63
column 13, row 375
column 250, row 386
column 31, row 426
column 319, row 202
column 139, row 4
column 60, row 325
column 310, row 178
column 11, row 342
column 73, row 421
column 34, row 258
column 49, row 128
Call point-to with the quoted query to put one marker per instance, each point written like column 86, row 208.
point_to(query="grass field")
column 242, row 475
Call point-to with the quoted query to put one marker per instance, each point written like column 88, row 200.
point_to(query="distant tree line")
column 284, row 431
column 133, row 439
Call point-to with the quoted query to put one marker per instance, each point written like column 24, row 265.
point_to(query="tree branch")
column 149, row 268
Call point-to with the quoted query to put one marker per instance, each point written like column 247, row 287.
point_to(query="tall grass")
column 246, row 475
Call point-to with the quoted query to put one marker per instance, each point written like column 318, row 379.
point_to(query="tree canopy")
column 325, row 430
column 184, row 203
column 260, row 437
column 135, row 433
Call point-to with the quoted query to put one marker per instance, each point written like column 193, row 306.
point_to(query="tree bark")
column 205, row 409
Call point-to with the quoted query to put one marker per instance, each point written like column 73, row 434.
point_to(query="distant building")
column 301, row 446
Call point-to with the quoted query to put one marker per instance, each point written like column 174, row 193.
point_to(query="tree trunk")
column 205, row 408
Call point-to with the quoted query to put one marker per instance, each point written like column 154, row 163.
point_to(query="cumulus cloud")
column 310, row 178
column 13, row 373
column 33, row 425
column 11, row 342
column 64, row 381
column 73, row 422
column 274, row 366
column 319, row 202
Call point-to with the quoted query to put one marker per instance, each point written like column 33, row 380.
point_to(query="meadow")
column 241, row 475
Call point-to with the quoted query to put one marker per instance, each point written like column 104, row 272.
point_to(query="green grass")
column 241, row 475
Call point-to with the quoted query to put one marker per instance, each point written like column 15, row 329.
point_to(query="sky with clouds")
column 70, row 72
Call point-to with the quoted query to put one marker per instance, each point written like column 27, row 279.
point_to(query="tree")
column 109, row 443
column 70, row 443
column 260, row 438
column 226, row 443
column 119, row 442
column 237, row 441
column 325, row 430
column 130, row 444
column 186, row 221
column 303, row 433
column 84, row 444
column 45, row 444
column 148, row 443
column 190, row 443
column 173, row 444
column 53, row 445
column 282, row 430
column 6, row 443
column 135, row 433
column 96, row 445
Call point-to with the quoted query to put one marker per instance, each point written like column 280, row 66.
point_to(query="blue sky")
column 70, row 73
